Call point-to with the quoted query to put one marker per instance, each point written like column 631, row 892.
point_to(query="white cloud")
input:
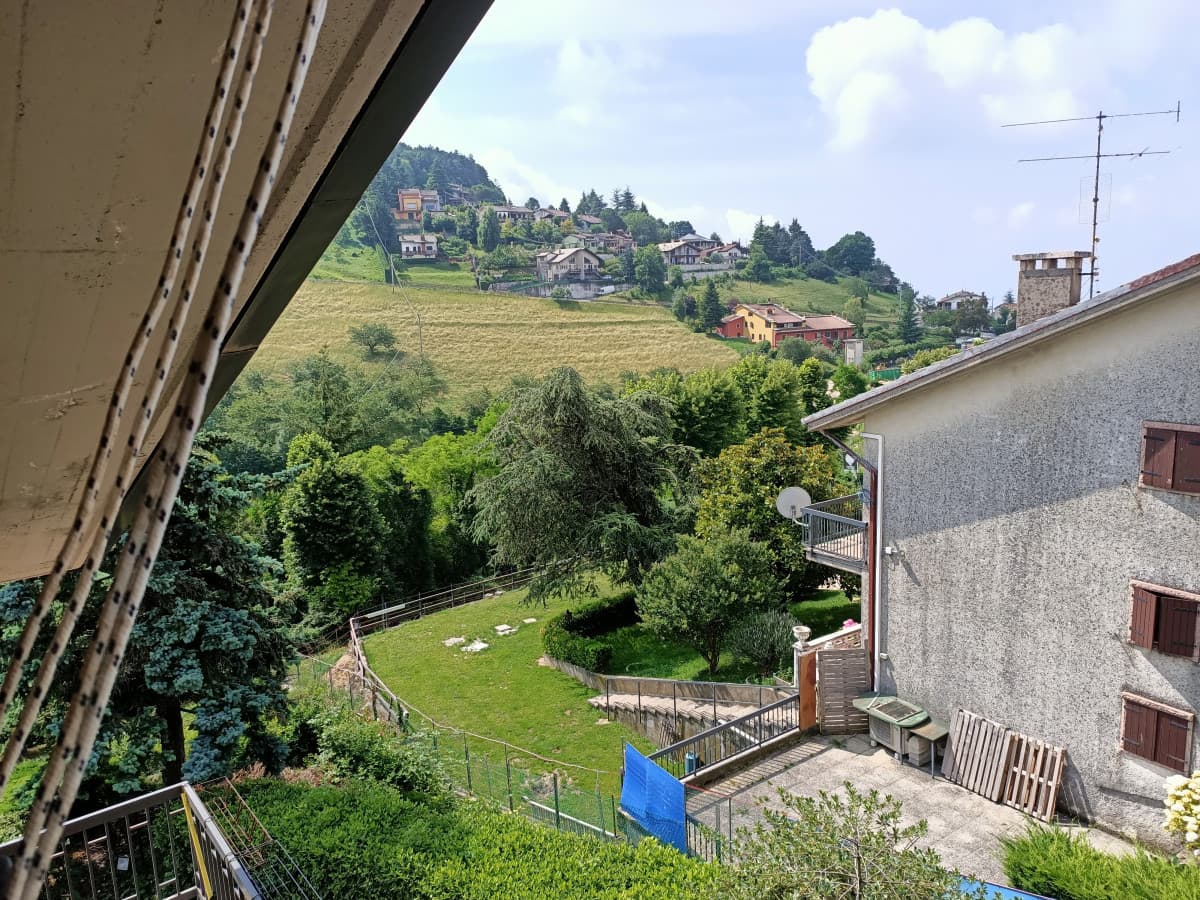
column 741, row 223
column 1021, row 213
column 868, row 72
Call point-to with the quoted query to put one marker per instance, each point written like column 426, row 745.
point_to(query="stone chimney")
column 1048, row 282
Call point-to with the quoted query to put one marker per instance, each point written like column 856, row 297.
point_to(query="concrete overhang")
column 102, row 109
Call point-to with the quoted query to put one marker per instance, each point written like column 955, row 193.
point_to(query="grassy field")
column 638, row 652
column 483, row 340
column 500, row 692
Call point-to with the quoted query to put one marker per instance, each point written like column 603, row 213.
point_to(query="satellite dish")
column 791, row 500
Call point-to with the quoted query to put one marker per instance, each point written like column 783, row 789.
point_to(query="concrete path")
column 964, row 827
column 696, row 710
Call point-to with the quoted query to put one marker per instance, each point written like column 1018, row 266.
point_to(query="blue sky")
column 846, row 115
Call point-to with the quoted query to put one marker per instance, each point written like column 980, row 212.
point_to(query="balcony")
column 835, row 533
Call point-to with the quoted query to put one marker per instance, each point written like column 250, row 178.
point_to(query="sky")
column 848, row 116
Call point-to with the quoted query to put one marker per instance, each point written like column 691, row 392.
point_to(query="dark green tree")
column 436, row 181
column 675, row 277
column 706, row 407
column 794, row 350
column 907, row 328
column 649, row 270
column 710, row 310
column 848, row 381
column 627, row 202
column 532, row 203
column 628, row 265
column 700, row 592
column 852, row 254
column 642, row 227
column 564, row 206
column 800, row 248
column 586, row 484
column 813, row 393
column 683, row 305
column 855, row 312
column 488, row 235
column 758, row 266
column 772, row 395
column 972, row 316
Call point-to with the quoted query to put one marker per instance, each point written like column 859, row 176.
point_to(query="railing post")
column 508, row 777
column 675, row 710
column 607, row 700
column 557, row 813
column 467, row 760
column 714, row 690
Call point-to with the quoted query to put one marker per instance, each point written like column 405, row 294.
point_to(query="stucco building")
column 772, row 323
column 419, row 246
column 576, row 263
column 1032, row 535
column 415, row 202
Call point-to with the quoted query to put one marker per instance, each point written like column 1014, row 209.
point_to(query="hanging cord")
column 141, row 426
column 97, row 485
column 121, row 605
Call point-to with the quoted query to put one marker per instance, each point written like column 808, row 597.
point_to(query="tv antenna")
column 1097, row 156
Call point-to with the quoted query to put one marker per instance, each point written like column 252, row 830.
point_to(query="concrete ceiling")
column 101, row 112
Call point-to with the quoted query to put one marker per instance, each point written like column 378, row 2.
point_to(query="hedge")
column 893, row 352
column 576, row 637
column 1054, row 863
column 365, row 839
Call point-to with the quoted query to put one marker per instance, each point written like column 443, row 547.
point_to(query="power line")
column 1097, row 156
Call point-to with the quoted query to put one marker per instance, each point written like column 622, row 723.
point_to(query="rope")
column 120, row 608
column 97, row 483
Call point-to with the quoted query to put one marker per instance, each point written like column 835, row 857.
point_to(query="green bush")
column 353, row 748
column 368, row 840
column 893, row 352
column 1052, row 862
column 576, row 636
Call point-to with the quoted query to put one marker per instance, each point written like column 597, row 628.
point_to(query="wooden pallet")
column 977, row 754
column 1033, row 776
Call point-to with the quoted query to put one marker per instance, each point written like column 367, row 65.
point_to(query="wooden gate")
column 841, row 676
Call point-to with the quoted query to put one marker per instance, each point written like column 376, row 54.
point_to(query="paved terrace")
column 964, row 827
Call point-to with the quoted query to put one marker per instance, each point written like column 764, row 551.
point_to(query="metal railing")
column 835, row 533
column 719, row 743
column 144, row 848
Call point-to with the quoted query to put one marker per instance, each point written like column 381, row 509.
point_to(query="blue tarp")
column 995, row 892
column 654, row 799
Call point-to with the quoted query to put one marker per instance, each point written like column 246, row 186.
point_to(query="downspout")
column 872, row 583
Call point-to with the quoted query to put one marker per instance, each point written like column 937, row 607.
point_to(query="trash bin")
column 691, row 762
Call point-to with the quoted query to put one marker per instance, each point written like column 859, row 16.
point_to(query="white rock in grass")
column 503, row 629
column 454, row 641
column 475, row 646
column 529, row 621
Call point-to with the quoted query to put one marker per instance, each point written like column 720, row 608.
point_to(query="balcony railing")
column 730, row 738
column 835, row 533
column 168, row 844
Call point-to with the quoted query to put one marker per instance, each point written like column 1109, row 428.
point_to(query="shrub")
column 1183, row 810
column 894, row 352
column 352, row 748
column 574, row 636
column 1052, row 862
column 927, row 358
column 820, row 271
column 764, row 639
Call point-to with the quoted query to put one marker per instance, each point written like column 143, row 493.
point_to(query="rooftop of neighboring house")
column 732, row 317
column 725, row 248
column 555, row 213
column 774, row 313
column 425, row 195
column 559, row 256
column 419, row 238
column 694, row 237
column 959, row 296
column 1185, row 271
column 668, row 246
column 589, row 220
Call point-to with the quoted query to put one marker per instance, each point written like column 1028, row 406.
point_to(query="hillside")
column 484, row 340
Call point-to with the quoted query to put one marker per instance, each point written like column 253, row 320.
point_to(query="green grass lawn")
column 636, row 651
column 501, row 692
column 348, row 264
column 484, row 340
column 11, row 814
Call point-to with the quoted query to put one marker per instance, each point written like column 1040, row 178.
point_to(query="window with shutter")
column 1171, row 742
column 1186, row 476
column 1143, row 617
column 1177, row 626
column 1158, row 458
column 1156, row 732
column 1139, row 730
column 1165, row 619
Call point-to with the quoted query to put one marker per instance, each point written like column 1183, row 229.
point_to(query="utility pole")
column 1097, row 156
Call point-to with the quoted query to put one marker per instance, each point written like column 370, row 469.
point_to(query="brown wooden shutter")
column 1141, row 619
column 1177, row 626
column 1186, row 475
column 1172, row 742
column 1138, row 734
column 1158, row 458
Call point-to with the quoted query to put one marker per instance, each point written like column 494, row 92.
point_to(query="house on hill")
column 419, row 246
column 554, row 215
column 586, row 221
column 701, row 243
column 953, row 301
column 573, row 264
column 768, row 322
column 514, row 213
column 732, row 252
column 415, row 202
column 1031, row 545
column 679, row 253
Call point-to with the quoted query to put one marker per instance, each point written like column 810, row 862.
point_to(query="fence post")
column 675, row 709
column 600, row 806
column 613, row 803
column 607, row 704
column 557, row 814
column 467, row 760
column 714, row 690
column 717, row 808
column 639, row 684
column 508, row 777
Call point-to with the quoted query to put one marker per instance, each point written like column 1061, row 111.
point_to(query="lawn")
column 638, row 652
column 500, row 692
column 11, row 810
column 484, row 340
